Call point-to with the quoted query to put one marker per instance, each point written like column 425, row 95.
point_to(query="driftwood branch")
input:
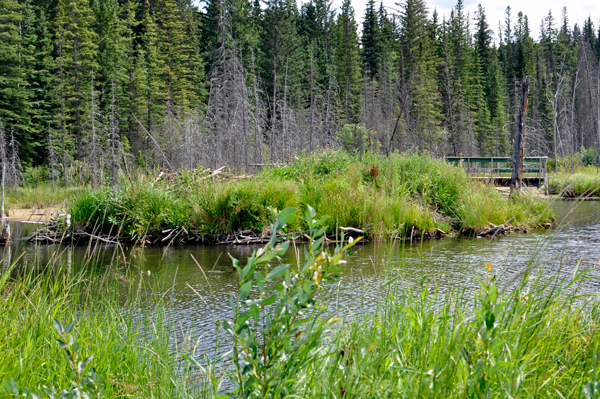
column 215, row 173
column 496, row 229
column 352, row 230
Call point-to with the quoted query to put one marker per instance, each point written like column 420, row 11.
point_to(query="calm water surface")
column 448, row 264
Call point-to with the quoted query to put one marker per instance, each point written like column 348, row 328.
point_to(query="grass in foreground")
column 539, row 339
column 388, row 197
column 125, row 363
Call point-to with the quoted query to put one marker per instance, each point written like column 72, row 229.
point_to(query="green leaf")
column 266, row 257
column 277, row 272
column 12, row 387
column 255, row 312
column 245, row 290
column 493, row 292
column 311, row 211
column 193, row 361
column 489, row 320
column 590, row 389
column 285, row 217
column 83, row 363
column 69, row 327
column 58, row 327
column 105, row 393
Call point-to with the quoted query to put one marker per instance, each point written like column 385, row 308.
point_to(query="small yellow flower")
column 489, row 266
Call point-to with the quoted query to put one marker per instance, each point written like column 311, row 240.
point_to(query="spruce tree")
column 41, row 84
column 132, row 80
column 78, row 47
column 175, row 49
column 154, row 82
column 347, row 63
column 14, row 62
column 371, row 49
column 420, row 64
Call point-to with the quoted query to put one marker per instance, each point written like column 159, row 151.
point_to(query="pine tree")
column 154, row 82
column 176, row 51
column 371, row 49
column 14, row 62
column 41, row 82
column 420, row 68
column 348, row 63
column 132, row 81
column 282, row 66
column 78, row 57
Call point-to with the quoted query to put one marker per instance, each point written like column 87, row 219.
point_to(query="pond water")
column 197, row 291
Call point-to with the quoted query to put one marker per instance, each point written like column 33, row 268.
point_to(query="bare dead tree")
column 227, row 115
column 114, row 138
column 519, row 150
column 51, row 158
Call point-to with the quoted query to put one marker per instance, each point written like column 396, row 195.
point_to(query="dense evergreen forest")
column 92, row 86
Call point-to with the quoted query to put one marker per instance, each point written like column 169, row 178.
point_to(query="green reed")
column 52, row 320
column 389, row 197
column 535, row 337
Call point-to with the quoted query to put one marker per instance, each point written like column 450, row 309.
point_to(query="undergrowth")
column 584, row 181
column 388, row 197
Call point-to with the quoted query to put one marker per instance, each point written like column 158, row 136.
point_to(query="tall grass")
column 535, row 337
column 585, row 181
column 133, row 352
column 42, row 195
column 390, row 197
column 536, row 341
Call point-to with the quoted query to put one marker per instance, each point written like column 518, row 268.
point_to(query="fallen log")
column 215, row 173
column 496, row 229
column 109, row 240
column 352, row 230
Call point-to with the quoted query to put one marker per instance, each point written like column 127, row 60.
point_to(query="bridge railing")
column 498, row 165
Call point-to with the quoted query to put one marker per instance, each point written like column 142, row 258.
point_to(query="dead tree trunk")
column 51, row 158
column 5, row 235
column 516, row 181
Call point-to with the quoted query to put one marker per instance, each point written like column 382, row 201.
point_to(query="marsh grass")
column 389, row 197
column 584, row 181
column 133, row 351
column 42, row 195
column 536, row 341
column 533, row 336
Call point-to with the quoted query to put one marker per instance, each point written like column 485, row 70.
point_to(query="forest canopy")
column 98, row 85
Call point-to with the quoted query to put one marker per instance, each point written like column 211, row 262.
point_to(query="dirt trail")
column 31, row 215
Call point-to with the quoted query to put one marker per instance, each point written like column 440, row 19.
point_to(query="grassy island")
column 388, row 197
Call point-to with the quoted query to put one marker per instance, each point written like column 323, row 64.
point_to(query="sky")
column 536, row 10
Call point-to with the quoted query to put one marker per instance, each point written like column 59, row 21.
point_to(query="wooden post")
column 546, row 176
column 540, row 170
column 516, row 180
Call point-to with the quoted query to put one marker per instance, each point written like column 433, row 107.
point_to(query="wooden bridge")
column 498, row 170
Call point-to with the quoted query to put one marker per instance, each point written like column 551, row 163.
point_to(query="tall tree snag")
column 516, row 181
